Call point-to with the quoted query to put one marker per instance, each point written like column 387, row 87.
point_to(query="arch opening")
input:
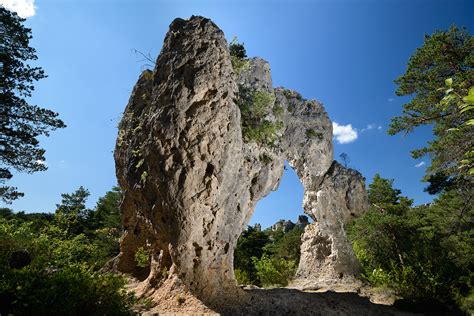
column 268, row 250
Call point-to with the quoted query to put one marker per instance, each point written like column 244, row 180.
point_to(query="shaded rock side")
column 190, row 180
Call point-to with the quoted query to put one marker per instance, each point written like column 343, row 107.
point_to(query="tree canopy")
column 21, row 123
column 439, row 76
column 425, row 253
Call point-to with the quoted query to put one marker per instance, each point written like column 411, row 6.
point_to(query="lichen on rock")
column 191, row 175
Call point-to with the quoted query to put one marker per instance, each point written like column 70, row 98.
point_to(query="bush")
column 62, row 277
column 274, row 272
column 254, row 108
column 264, row 133
column 254, row 105
column 72, row 290
column 142, row 257
column 238, row 56
column 242, row 277
column 312, row 134
column 425, row 253
column 267, row 258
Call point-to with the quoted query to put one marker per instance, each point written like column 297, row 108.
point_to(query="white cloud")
column 24, row 8
column 420, row 164
column 390, row 99
column 379, row 127
column 344, row 134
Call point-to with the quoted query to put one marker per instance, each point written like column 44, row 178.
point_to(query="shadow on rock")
column 283, row 301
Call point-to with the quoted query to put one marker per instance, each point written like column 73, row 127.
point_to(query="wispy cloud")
column 24, row 8
column 370, row 127
column 344, row 134
column 420, row 164
column 390, row 99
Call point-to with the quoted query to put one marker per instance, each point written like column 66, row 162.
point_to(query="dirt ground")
column 279, row 301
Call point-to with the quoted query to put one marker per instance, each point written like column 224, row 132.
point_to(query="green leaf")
column 449, row 82
column 469, row 98
column 471, row 91
column 467, row 108
column 470, row 122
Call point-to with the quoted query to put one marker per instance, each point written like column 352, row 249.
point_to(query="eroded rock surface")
column 191, row 180
column 327, row 258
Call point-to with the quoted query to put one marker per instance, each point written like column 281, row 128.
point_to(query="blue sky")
column 345, row 54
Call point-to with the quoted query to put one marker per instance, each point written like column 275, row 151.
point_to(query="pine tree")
column 20, row 122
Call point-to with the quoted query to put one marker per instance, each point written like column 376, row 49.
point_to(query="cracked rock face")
column 191, row 180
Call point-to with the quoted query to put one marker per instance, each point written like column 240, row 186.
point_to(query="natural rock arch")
column 191, row 182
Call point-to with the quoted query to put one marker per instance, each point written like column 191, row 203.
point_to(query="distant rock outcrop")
column 193, row 164
column 302, row 221
column 283, row 225
column 287, row 225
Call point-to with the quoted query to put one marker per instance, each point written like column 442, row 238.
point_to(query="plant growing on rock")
column 142, row 257
column 238, row 56
column 254, row 107
column 312, row 134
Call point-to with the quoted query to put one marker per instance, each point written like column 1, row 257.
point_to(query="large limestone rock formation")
column 191, row 180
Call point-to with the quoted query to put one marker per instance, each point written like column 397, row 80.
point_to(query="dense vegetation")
column 267, row 258
column 426, row 253
column 50, row 264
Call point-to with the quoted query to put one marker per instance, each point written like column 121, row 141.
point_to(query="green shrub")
column 312, row 134
column 239, row 65
column 142, row 257
column 267, row 258
column 278, row 110
column 274, row 272
column 261, row 103
column 238, row 56
column 264, row 133
column 424, row 253
column 250, row 244
column 242, row 277
column 72, row 290
column 254, row 107
column 62, row 278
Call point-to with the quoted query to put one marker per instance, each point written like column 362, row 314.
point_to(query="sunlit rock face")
column 327, row 258
column 190, row 179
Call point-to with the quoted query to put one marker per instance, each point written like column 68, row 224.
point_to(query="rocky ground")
column 283, row 301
